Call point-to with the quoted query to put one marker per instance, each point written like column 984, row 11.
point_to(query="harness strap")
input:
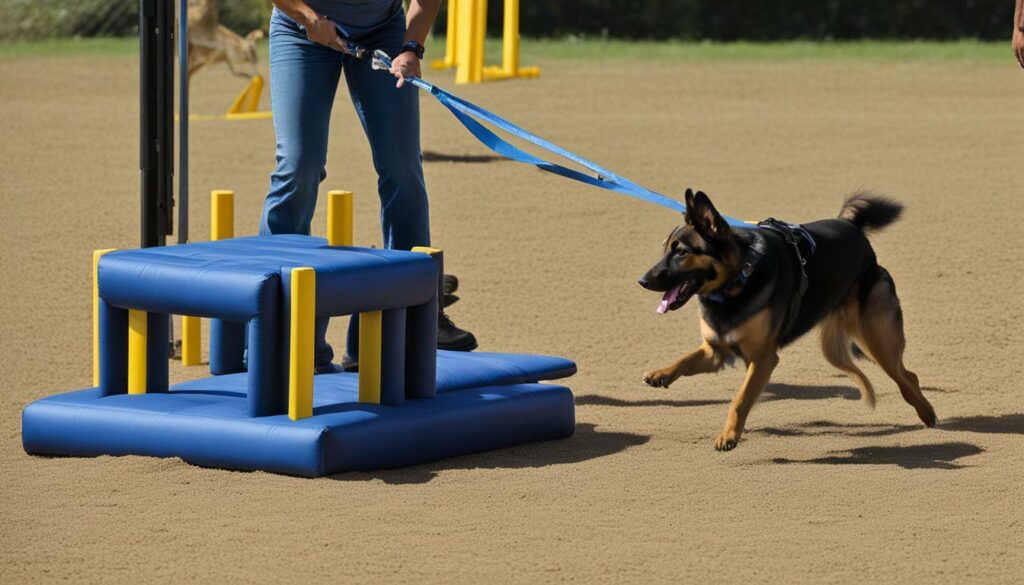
column 793, row 234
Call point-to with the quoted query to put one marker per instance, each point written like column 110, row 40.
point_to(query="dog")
column 210, row 42
column 762, row 288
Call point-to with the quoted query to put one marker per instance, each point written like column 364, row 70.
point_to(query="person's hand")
column 1018, row 45
column 322, row 31
column 406, row 64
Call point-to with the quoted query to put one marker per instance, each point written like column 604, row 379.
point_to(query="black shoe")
column 449, row 284
column 450, row 337
column 449, row 300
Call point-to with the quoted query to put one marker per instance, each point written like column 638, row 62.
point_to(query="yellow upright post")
column 471, row 31
column 191, row 338
column 370, row 356
column 137, row 321
column 222, row 226
column 450, row 38
column 339, row 218
column 300, row 353
column 510, row 39
column 96, row 314
column 509, row 67
column 222, row 215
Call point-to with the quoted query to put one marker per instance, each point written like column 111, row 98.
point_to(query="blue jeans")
column 303, row 81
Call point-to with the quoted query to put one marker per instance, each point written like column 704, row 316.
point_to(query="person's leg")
column 303, row 81
column 391, row 120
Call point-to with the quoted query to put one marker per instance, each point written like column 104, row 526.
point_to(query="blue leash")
column 470, row 116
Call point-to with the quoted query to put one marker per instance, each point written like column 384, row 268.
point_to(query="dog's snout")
column 644, row 282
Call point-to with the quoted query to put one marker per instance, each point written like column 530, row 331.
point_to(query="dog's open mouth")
column 677, row 295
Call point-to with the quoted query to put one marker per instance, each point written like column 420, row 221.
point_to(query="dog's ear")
column 254, row 36
column 706, row 219
column 688, row 198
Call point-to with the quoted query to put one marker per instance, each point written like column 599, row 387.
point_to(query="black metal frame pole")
column 183, row 121
column 156, row 110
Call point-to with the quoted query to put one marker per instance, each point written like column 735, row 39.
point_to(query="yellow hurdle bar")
column 339, row 218
column 300, row 352
column 222, row 215
column 450, row 38
column 96, row 314
column 370, row 356
column 137, row 321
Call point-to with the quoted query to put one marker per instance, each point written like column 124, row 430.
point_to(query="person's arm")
column 418, row 22
column 319, row 28
column 1018, row 32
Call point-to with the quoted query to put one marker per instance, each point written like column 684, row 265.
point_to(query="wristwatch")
column 414, row 48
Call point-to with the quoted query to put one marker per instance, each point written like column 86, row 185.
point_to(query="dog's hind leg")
column 881, row 334
column 706, row 359
column 836, row 331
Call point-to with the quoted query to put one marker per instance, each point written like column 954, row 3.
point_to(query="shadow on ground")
column 598, row 400
column 771, row 392
column 1004, row 424
column 430, row 156
column 933, row 456
column 587, row 443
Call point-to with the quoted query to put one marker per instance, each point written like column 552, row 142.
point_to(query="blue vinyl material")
column 191, row 279
column 456, row 370
column 206, row 422
column 459, row 403
column 239, row 283
column 214, row 430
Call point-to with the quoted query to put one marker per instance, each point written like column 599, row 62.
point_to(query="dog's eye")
column 681, row 252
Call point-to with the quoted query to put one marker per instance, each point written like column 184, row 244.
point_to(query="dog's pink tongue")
column 670, row 297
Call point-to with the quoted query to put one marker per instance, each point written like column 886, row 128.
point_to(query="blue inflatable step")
column 212, row 429
column 456, row 370
column 485, row 401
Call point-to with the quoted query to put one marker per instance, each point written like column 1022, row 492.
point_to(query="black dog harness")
column 793, row 234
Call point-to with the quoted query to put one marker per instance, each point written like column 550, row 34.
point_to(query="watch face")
column 415, row 48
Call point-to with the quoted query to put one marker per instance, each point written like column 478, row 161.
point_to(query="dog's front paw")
column 727, row 441
column 659, row 378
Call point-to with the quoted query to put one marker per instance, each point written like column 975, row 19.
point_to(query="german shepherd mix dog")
column 764, row 287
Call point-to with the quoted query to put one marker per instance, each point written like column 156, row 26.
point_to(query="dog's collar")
column 755, row 252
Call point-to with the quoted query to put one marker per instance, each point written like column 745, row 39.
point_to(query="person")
column 1018, row 32
column 311, row 44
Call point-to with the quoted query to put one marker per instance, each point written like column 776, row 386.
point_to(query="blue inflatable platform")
column 410, row 403
column 484, row 401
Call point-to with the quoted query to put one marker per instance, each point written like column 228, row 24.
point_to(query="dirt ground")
column 821, row 489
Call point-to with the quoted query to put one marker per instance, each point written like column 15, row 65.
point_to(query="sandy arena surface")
column 821, row 489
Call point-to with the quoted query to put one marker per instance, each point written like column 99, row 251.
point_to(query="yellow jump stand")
column 245, row 107
column 464, row 44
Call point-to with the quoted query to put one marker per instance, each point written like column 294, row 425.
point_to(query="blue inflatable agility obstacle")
column 409, row 403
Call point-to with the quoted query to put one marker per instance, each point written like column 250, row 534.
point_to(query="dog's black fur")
column 847, row 290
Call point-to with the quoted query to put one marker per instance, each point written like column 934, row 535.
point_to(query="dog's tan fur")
column 210, row 42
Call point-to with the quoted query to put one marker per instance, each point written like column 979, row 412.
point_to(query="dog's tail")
column 870, row 212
